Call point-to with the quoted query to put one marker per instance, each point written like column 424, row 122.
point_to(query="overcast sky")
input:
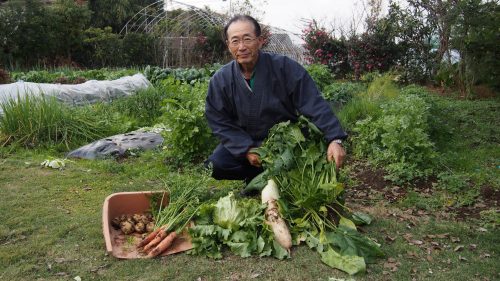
column 290, row 14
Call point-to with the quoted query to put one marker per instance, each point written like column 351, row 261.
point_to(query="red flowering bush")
column 209, row 46
column 374, row 50
column 323, row 48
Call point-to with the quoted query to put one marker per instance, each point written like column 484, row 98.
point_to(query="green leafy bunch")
column 190, row 138
column 294, row 155
column 235, row 224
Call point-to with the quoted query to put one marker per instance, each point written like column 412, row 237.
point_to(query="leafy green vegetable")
column 352, row 243
column 227, row 214
column 349, row 264
column 237, row 224
column 361, row 218
column 312, row 197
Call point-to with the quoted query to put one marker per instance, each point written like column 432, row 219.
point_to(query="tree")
column 71, row 21
column 34, row 42
column 475, row 36
column 114, row 13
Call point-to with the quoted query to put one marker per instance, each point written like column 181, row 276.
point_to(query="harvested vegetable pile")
column 237, row 224
column 309, row 199
column 171, row 221
column 136, row 223
column 301, row 202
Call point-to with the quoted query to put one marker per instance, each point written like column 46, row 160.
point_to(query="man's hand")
column 254, row 159
column 335, row 152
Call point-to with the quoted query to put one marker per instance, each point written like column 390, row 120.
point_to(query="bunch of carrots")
column 170, row 222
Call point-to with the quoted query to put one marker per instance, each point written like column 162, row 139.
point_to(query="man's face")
column 242, row 42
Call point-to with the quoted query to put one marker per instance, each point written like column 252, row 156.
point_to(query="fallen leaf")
column 389, row 238
column 417, row 242
column 472, row 247
column 442, row 236
column 255, row 275
column 480, row 205
column 421, row 213
column 429, row 258
column 461, row 258
column 458, row 248
column 485, row 255
column 392, row 264
column 482, row 229
column 412, row 254
column 407, row 236
column 78, row 278
column 455, row 239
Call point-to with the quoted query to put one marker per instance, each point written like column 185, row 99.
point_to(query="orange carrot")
column 148, row 238
column 158, row 238
column 163, row 246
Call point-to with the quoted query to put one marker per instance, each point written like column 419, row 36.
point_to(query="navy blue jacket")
column 282, row 90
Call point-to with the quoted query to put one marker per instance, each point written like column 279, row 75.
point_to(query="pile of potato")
column 136, row 223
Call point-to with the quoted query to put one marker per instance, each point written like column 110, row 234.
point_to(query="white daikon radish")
column 269, row 195
column 270, row 192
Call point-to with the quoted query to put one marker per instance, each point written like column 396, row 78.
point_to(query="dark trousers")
column 227, row 167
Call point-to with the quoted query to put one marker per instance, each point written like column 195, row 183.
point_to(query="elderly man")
column 255, row 91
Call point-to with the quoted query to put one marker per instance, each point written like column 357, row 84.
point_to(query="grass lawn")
column 51, row 230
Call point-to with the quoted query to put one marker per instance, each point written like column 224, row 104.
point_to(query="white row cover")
column 89, row 92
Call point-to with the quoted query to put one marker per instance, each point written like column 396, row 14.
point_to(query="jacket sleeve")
column 221, row 118
column 311, row 104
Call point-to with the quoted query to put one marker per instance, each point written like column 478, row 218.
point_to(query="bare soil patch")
column 370, row 187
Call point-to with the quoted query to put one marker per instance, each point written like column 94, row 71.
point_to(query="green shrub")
column 342, row 93
column 4, row 77
column 320, row 74
column 451, row 182
column 190, row 138
column 34, row 121
column 398, row 139
column 37, row 76
column 440, row 129
column 71, row 75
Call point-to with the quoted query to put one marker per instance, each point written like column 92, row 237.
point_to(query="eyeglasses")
column 247, row 41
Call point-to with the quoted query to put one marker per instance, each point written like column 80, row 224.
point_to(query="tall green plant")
column 190, row 138
column 40, row 120
column 320, row 74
